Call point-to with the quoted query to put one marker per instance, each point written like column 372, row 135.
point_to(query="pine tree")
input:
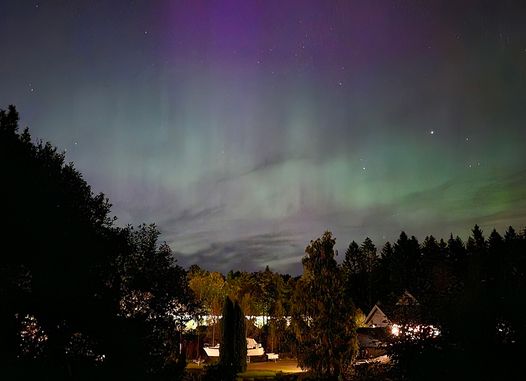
column 322, row 317
column 406, row 265
column 226, row 349
column 240, row 340
column 233, row 349
column 371, row 263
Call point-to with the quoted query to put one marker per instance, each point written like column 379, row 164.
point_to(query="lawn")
column 266, row 370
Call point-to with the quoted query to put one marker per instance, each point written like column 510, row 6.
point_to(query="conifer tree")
column 240, row 340
column 323, row 318
column 233, row 348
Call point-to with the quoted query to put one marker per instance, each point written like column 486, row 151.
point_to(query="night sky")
column 245, row 129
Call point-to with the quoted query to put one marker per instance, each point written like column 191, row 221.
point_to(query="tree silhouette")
column 322, row 317
column 57, row 271
column 69, row 277
column 360, row 268
column 233, row 349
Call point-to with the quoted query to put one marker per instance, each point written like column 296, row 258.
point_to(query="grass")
column 266, row 370
column 256, row 375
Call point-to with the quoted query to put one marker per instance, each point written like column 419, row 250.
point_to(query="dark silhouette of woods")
column 80, row 297
column 473, row 292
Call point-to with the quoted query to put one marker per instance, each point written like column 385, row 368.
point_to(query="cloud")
column 189, row 216
column 266, row 164
column 280, row 251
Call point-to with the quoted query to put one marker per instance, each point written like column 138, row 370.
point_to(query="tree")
column 233, row 349
column 353, row 261
column 406, row 264
column 354, row 275
column 323, row 318
column 78, row 294
column 360, row 270
column 58, row 273
column 240, row 339
column 155, row 303
column 226, row 349
column 384, row 271
column 210, row 290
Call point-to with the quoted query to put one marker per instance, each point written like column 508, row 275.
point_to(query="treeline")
column 472, row 291
column 264, row 294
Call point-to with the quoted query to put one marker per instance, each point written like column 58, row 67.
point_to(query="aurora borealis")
column 244, row 129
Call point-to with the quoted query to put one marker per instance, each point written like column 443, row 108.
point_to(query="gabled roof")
column 405, row 305
column 374, row 311
column 407, row 299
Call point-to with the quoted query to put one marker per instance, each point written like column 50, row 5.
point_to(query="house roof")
column 407, row 299
column 402, row 307
column 375, row 310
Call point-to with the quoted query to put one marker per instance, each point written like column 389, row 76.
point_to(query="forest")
column 83, row 297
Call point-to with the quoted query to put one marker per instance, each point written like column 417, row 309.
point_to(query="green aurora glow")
column 246, row 129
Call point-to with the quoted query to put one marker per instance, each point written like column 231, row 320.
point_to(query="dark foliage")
column 323, row 319
column 233, row 349
column 473, row 294
column 69, row 278
column 359, row 268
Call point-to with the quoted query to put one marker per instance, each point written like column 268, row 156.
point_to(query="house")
column 382, row 315
column 371, row 341
column 382, row 322
column 377, row 318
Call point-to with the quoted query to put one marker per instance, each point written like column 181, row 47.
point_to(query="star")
column 432, row 132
